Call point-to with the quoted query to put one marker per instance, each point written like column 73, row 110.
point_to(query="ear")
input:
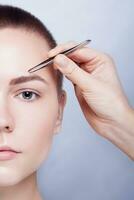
column 62, row 103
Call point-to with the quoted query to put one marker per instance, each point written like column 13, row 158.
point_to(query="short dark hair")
column 12, row 16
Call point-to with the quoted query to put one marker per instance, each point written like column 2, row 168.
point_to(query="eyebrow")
column 23, row 79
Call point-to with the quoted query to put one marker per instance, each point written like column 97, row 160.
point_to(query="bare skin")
column 99, row 93
column 33, row 119
column 23, row 190
column 96, row 86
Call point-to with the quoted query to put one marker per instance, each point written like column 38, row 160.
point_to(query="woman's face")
column 29, row 107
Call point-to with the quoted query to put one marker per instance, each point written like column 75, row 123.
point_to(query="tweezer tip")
column 30, row 71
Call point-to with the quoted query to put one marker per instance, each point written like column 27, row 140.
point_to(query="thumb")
column 73, row 72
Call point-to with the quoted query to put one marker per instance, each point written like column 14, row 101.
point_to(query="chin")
column 9, row 177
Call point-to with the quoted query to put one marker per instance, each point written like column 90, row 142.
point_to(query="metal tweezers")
column 50, row 60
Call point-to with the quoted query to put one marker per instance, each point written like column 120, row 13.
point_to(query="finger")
column 90, row 59
column 88, row 54
column 85, row 107
column 81, row 55
column 73, row 72
column 85, row 55
column 61, row 47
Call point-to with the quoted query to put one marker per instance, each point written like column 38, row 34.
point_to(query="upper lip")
column 7, row 148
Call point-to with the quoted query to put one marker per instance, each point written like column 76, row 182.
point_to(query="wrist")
column 121, row 132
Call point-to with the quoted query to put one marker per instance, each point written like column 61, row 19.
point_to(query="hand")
column 97, row 87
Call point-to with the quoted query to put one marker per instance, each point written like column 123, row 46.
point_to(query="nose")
column 6, row 124
column 6, row 129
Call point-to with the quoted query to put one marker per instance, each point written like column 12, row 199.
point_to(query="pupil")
column 26, row 94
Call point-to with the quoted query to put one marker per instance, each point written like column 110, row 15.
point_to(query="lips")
column 7, row 148
column 8, row 153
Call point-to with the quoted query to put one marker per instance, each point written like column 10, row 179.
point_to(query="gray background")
column 82, row 165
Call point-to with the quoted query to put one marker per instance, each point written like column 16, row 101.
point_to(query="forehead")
column 22, row 43
column 20, row 50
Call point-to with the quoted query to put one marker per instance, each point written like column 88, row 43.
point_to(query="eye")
column 29, row 95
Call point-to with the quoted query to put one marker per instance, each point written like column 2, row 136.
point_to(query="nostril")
column 8, row 128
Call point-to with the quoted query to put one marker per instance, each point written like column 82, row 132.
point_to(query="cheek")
column 35, row 123
column 33, row 134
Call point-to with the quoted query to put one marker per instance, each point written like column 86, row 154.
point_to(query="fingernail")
column 49, row 55
column 61, row 61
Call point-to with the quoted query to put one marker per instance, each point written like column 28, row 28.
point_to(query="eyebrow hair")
column 23, row 79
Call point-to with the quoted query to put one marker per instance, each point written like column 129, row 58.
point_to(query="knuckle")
column 56, row 58
column 83, row 50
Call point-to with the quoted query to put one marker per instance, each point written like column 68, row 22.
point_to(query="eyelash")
column 37, row 95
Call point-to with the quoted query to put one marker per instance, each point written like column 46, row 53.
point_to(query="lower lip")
column 7, row 155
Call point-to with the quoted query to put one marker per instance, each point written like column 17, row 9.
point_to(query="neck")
column 26, row 189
